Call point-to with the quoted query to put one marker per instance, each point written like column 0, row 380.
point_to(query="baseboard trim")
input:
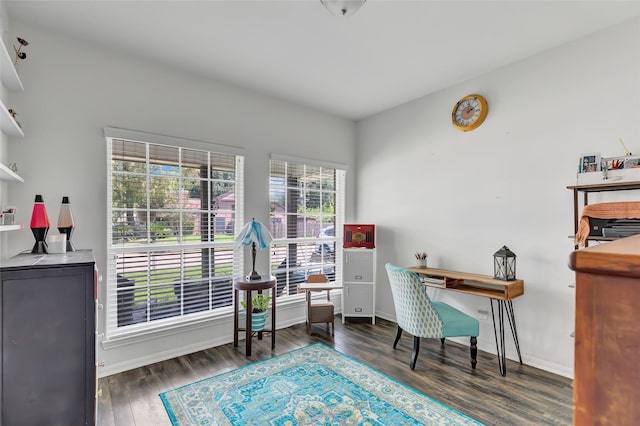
column 489, row 347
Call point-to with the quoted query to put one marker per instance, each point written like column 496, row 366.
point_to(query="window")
column 172, row 220
column 307, row 212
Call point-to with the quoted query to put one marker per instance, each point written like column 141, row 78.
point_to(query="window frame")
column 288, row 277
column 234, row 256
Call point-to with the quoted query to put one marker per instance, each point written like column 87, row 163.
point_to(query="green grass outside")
column 159, row 285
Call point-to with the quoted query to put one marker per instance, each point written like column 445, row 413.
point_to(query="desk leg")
column 308, row 295
column 235, row 318
column 502, row 362
column 259, row 332
column 247, row 330
column 514, row 331
column 500, row 345
column 273, row 318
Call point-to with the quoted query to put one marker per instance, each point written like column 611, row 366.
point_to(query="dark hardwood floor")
column 526, row 396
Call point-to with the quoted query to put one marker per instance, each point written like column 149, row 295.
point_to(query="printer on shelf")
column 613, row 228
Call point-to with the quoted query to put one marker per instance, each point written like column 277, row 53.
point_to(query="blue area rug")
column 314, row 385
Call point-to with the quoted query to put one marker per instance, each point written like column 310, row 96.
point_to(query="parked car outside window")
column 325, row 247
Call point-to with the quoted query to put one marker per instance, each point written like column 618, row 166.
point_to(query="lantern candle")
column 504, row 264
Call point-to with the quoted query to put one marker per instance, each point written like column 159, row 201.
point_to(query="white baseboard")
column 115, row 368
column 490, row 347
column 287, row 315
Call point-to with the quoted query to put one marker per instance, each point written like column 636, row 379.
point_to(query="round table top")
column 263, row 284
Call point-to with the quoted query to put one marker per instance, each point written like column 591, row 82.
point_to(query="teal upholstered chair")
column 418, row 315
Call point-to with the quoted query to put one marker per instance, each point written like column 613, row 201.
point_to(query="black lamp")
column 504, row 264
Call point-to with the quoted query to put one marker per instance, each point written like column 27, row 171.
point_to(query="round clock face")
column 469, row 112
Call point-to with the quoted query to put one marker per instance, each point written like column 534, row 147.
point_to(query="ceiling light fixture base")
column 343, row 7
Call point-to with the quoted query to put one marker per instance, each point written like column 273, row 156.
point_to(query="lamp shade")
column 256, row 235
column 254, row 232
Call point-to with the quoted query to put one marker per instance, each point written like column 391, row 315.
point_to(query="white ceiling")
column 388, row 53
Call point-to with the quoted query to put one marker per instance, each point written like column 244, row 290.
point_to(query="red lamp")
column 39, row 225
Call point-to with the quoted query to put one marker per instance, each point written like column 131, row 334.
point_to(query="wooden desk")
column 486, row 286
column 248, row 287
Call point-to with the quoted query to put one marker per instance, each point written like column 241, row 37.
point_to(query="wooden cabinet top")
column 620, row 257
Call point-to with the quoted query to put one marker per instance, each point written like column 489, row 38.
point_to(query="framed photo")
column 614, row 163
column 589, row 163
column 632, row 163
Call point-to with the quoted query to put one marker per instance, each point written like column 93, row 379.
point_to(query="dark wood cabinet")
column 607, row 335
column 48, row 369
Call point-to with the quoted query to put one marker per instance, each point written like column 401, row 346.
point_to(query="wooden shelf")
column 7, row 124
column 10, row 78
column 596, row 238
column 10, row 227
column 619, row 186
column 586, row 190
column 476, row 284
column 9, row 175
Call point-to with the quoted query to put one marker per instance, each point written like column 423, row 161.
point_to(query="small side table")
column 248, row 287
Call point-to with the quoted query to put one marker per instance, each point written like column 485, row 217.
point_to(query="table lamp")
column 39, row 225
column 256, row 235
column 65, row 221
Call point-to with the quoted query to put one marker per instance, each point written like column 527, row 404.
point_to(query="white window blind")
column 307, row 215
column 172, row 217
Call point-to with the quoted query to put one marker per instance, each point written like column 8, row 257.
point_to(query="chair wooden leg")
column 416, row 349
column 442, row 342
column 474, row 352
column 333, row 327
column 395, row 343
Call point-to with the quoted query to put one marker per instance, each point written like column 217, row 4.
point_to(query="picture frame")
column 8, row 215
column 632, row 163
column 589, row 162
column 613, row 163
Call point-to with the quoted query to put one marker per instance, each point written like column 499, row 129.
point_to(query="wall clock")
column 469, row 112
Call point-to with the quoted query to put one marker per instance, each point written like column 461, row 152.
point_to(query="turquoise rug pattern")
column 314, row 385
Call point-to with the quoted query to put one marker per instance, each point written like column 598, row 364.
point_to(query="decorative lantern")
column 504, row 264
column 39, row 225
column 65, row 221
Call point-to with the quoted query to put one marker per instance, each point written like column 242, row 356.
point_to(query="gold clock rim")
column 484, row 111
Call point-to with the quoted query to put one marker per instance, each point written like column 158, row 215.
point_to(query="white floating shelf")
column 10, row 78
column 7, row 174
column 10, row 227
column 8, row 124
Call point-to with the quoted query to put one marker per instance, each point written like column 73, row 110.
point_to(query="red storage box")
column 362, row 236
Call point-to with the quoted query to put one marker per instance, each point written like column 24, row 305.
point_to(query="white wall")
column 461, row 196
column 4, row 140
column 458, row 196
column 73, row 89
